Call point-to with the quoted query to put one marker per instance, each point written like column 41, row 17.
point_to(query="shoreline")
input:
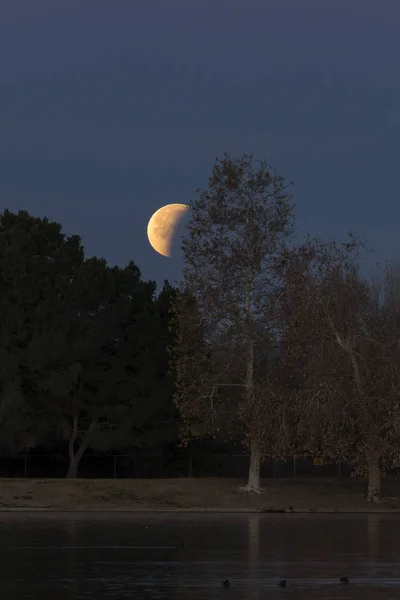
column 305, row 511
column 196, row 495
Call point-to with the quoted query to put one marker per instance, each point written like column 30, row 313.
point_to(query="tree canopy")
column 84, row 345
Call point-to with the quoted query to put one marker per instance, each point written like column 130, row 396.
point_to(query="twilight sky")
column 111, row 109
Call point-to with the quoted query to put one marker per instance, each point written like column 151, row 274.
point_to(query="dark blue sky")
column 111, row 109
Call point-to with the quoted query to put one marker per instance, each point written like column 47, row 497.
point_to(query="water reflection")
column 63, row 556
column 71, row 562
column 373, row 526
column 253, row 554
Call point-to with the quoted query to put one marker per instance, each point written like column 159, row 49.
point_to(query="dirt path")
column 210, row 493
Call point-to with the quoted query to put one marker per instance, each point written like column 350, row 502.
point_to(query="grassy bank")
column 211, row 493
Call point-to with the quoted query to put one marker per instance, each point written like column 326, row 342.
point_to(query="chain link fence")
column 120, row 466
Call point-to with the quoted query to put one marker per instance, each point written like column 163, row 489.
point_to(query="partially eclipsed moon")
column 163, row 225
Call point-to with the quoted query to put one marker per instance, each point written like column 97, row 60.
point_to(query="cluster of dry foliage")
column 285, row 344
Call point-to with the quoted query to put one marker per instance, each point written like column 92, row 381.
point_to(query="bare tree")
column 236, row 236
column 376, row 368
column 346, row 329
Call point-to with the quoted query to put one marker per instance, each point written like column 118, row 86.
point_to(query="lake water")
column 60, row 556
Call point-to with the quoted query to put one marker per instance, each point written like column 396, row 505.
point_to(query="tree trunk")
column 374, row 481
column 75, row 460
column 253, row 483
column 75, row 456
column 72, row 472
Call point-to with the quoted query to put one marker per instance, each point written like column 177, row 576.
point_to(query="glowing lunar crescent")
column 163, row 225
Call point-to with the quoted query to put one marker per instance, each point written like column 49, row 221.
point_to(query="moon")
column 162, row 227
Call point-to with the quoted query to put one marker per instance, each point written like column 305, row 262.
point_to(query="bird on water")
column 344, row 580
column 226, row 583
column 282, row 583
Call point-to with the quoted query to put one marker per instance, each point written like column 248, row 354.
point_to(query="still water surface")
column 109, row 555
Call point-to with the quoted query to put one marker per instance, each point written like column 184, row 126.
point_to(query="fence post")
column 190, row 464
column 115, row 466
column 294, row 466
column 25, row 466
